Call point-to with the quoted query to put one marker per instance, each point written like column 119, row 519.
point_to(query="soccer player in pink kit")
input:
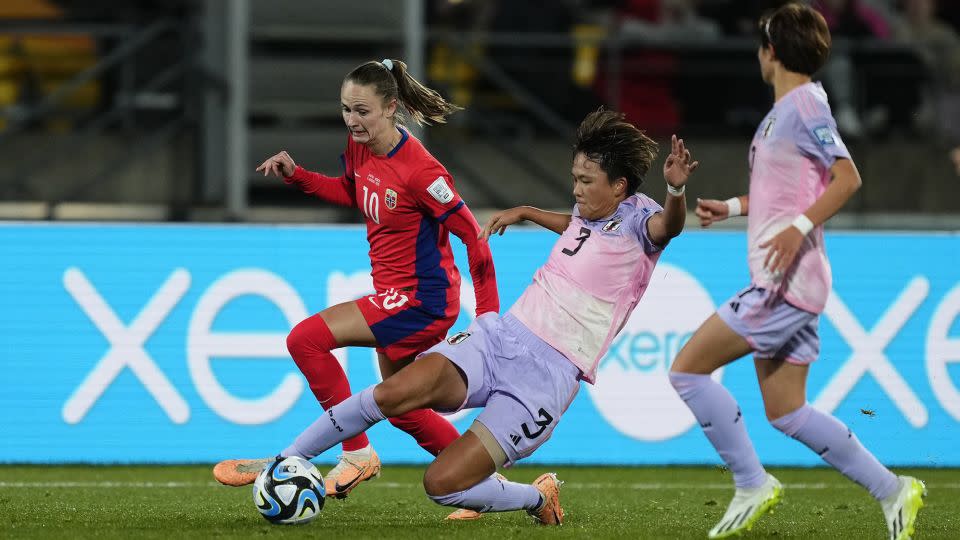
column 800, row 175
column 525, row 367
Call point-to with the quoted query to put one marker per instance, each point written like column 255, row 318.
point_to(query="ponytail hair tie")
column 387, row 63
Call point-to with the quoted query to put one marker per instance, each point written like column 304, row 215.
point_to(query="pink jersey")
column 790, row 160
column 595, row 275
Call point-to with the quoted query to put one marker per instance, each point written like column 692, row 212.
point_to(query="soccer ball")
column 289, row 491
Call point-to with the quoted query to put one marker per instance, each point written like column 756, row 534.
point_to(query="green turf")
column 184, row 502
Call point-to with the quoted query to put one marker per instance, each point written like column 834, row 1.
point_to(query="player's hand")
column 782, row 250
column 499, row 222
column 711, row 211
column 278, row 165
column 679, row 164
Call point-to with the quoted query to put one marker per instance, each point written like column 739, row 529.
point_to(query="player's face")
column 766, row 58
column 596, row 196
column 364, row 113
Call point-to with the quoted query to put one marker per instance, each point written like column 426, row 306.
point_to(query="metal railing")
column 170, row 116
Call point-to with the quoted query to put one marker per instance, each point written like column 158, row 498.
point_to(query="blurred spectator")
column 459, row 68
column 647, row 85
column 853, row 19
column 451, row 66
column 938, row 46
column 665, row 20
column 547, row 72
column 955, row 156
column 738, row 17
column 850, row 19
column 888, row 9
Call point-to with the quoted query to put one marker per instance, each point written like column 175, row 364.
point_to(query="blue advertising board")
column 166, row 343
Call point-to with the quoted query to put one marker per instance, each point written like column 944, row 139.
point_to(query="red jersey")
column 410, row 205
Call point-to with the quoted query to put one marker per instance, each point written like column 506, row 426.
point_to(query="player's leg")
column 432, row 381
column 431, row 431
column 506, row 431
column 532, row 388
column 712, row 346
column 783, row 386
column 395, row 324
column 310, row 344
column 742, row 324
column 463, row 476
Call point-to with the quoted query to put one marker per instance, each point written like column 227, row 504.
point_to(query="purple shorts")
column 523, row 383
column 772, row 326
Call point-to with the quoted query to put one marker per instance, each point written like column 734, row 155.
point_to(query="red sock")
column 310, row 343
column 432, row 431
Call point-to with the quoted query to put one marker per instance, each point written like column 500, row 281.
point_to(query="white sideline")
column 406, row 485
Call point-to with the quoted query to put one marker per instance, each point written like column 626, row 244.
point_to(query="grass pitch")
column 185, row 502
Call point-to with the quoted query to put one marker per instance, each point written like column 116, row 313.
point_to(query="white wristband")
column 803, row 224
column 733, row 207
column 676, row 192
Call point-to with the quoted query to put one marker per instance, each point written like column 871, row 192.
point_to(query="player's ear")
column 390, row 109
column 620, row 187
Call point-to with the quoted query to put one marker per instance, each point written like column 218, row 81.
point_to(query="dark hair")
column 424, row 105
column 799, row 35
column 619, row 147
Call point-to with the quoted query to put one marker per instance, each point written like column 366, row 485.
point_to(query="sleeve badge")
column 824, row 135
column 440, row 191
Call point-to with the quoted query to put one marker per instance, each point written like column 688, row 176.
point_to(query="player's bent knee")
column 296, row 340
column 681, row 362
column 439, row 484
column 394, row 399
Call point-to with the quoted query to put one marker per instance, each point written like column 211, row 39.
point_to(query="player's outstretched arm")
column 710, row 211
column 498, row 223
column 337, row 191
column 783, row 248
column 465, row 227
column 678, row 167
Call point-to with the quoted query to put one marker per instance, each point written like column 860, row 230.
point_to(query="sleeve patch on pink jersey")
column 824, row 135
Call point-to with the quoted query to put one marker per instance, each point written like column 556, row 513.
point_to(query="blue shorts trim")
column 400, row 326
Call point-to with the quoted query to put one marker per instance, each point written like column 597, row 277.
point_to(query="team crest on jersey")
column 613, row 224
column 458, row 338
column 769, row 127
column 390, row 198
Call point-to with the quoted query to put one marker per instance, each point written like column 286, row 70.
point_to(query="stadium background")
column 149, row 277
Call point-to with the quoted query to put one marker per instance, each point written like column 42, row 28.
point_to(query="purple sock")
column 837, row 445
column 353, row 415
column 719, row 416
column 493, row 495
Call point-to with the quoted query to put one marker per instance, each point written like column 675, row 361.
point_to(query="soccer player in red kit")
column 410, row 206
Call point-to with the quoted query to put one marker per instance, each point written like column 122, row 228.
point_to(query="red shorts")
column 401, row 324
